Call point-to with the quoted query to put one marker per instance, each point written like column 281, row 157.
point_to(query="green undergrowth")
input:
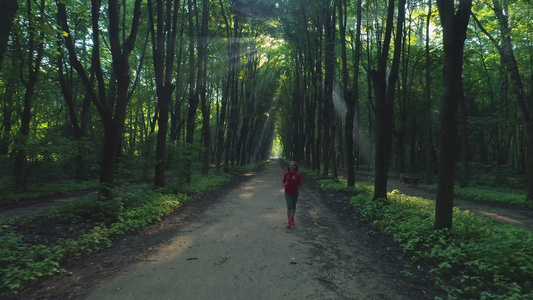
column 478, row 258
column 490, row 194
column 33, row 247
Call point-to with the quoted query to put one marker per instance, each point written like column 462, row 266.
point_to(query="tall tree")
column 225, row 94
column 384, row 92
column 454, row 25
column 353, row 102
column 524, row 100
column 7, row 113
column 347, row 93
column 428, row 135
column 163, row 29
column 110, row 101
column 329, row 74
column 235, row 65
column 193, row 95
column 202, row 86
column 8, row 10
column 32, row 61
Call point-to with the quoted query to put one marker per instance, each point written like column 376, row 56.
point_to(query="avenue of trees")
column 90, row 89
column 90, row 86
column 420, row 87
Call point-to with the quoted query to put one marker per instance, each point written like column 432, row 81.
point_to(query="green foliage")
column 131, row 212
column 477, row 257
column 21, row 262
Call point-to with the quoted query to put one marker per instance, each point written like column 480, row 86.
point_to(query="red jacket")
column 292, row 182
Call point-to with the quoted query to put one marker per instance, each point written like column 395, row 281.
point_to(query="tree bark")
column 165, row 20
column 464, row 143
column 8, row 10
column 33, row 65
column 202, row 82
column 428, row 133
column 329, row 110
column 229, row 147
column 384, row 93
column 225, row 96
column 8, row 108
column 349, row 97
column 454, row 32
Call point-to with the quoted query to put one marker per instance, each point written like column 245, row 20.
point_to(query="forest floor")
column 232, row 243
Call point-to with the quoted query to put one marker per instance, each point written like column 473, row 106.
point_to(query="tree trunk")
column 202, row 89
column 464, row 144
column 163, row 30
column 7, row 114
column 349, row 98
column 329, row 110
column 385, row 99
column 225, row 95
column 230, row 144
column 8, row 9
column 355, row 95
column 33, row 64
column 193, row 95
column 454, row 32
column 429, row 140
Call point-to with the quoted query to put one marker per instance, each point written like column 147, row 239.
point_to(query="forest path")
column 498, row 211
column 239, row 248
column 26, row 209
column 501, row 212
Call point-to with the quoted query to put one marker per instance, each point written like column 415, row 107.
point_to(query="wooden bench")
column 409, row 179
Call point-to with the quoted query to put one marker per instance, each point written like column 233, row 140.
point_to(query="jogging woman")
column 291, row 181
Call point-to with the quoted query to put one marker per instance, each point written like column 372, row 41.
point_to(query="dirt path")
column 500, row 212
column 28, row 209
column 239, row 248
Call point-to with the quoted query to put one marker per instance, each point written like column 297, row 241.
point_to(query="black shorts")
column 291, row 201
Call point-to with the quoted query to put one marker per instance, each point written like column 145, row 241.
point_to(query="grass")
column 478, row 259
column 87, row 225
